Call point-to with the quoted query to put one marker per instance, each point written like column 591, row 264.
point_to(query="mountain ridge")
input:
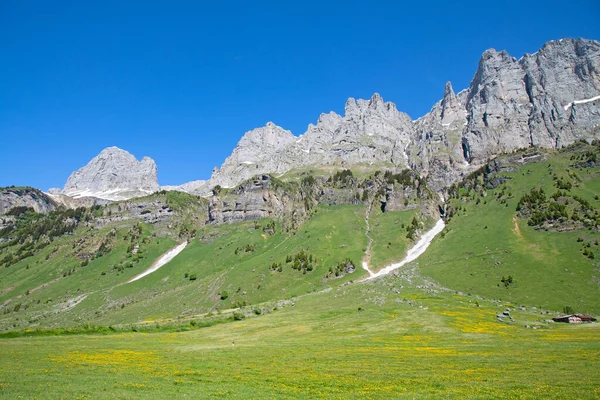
column 509, row 104
column 549, row 98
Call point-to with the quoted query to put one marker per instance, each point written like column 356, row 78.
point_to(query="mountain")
column 547, row 99
column 255, row 153
column 532, row 215
column 11, row 197
column 336, row 256
column 114, row 174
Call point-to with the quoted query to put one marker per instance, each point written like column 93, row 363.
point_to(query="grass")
column 388, row 231
column 425, row 344
column 223, row 264
column 486, row 241
column 303, row 334
column 44, row 283
column 217, row 259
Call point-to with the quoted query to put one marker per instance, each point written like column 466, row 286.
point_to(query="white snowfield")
column 162, row 260
column 581, row 102
column 115, row 194
column 412, row 253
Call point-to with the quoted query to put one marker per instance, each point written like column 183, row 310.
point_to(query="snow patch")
column 162, row 260
column 581, row 102
column 115, row 194
column 411, row 255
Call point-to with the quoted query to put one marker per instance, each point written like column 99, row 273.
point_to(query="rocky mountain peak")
column 114, row 150
column 359, row 109
column 114, row 174
column 254, row 154
column 450, row 105
column 376, row 101
column 351, row 107
column 259, row 143
column 549, row 98
column 448, row 93
column 269, row 135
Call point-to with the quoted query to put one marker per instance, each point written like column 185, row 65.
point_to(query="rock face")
column 12, row 197
column 371, row 132
column 258, row 151
column 72, row 202
column 258, row 198
column 188, row 187
column 114, row 174
column 547, row 99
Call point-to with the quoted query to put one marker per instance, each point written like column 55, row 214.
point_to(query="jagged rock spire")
column 449, row 104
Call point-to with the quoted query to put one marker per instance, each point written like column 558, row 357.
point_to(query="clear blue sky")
column 181, row 81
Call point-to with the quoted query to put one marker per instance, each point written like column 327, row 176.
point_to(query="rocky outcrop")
column 114, row 174
column 372, row 132
column 189, row 187
column 76, row 202
column 262, row 197
column 436, row 151
column 258, row 151
column 12, row 197
column 547, row 99
column 170, row 213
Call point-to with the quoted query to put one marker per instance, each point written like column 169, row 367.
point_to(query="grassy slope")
column 331, row 235
column 438, row 345
column 48, row 288
column 486, row 242
column 395, row 337
column 389, row 237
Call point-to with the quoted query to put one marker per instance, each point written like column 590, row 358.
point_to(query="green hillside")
column 549, row 248
column 268, row 308
column 224, row 267
column 383, row 339
column 72, row 267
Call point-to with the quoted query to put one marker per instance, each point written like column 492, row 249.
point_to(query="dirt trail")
column 367, row 257
column 516, row 229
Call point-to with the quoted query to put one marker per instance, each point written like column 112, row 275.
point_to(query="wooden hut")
column 574, row 318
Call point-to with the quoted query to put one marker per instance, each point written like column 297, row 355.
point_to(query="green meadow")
column 383, row 339
column 249, row 310
column 487, row 240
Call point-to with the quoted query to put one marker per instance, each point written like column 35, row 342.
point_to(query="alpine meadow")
column 373, row 256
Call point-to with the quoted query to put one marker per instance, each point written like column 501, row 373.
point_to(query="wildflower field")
column 356, row 341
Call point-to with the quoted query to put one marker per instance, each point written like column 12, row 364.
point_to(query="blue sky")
column 181, row 81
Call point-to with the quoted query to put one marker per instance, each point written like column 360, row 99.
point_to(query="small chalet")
column 575, row 319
